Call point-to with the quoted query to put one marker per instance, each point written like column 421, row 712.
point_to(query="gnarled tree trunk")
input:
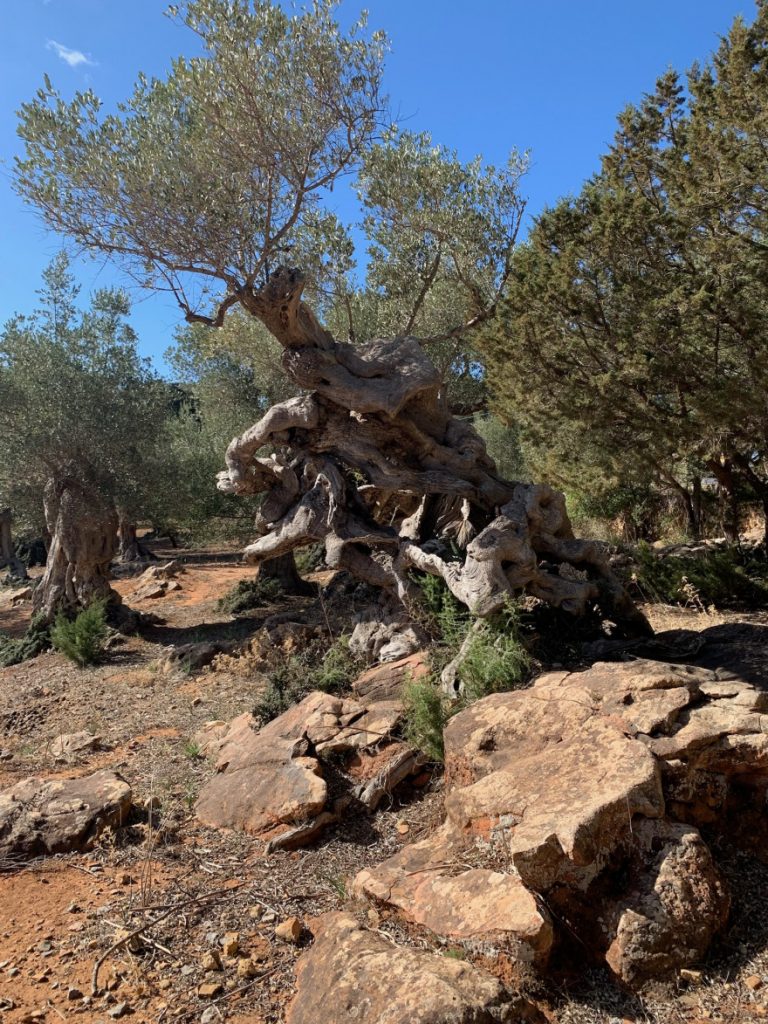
column 8, row 556
column 283, row 569
column 129, row 547
column 370, row 462
column 127, row 541
column 83, row 529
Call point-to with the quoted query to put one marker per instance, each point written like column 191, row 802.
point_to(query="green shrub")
column 337, row 668
column 14, row 650
column 82, row 639
column 248, row 594
column 495, row 659
column 331, row 672
column 310, row 559
column 719, row 578
column 448, row 619
column 426, row 713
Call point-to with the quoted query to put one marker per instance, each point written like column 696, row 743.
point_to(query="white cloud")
column 72, row 57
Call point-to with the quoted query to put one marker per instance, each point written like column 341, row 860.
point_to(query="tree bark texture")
column 370, row 462
column 83, row 529
column 283, row 569
column 129, row 547
column 8, row 557
column 127, row 541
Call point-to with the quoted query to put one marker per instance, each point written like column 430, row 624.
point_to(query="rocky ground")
column 223, row 944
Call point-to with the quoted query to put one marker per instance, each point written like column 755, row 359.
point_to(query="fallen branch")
column 371, row 793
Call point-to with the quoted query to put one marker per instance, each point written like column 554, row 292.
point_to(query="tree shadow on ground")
column 203, row 632
column 731, row 648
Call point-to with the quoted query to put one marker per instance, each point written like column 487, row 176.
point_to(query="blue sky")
column 482, row 76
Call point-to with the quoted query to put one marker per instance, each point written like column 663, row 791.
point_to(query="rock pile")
column 272, row 782
column 157, row 581
column 579, row 802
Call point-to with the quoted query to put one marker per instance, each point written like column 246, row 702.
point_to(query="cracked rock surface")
column 273, row 782
column 39, row 816
column 586, row 793
column 353, row 974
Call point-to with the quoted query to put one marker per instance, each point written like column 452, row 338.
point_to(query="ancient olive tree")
column 211, row 183
column 8, row 557
column 78, row 412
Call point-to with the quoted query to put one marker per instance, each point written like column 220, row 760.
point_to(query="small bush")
column 14, row 650
column 82, row 639
column 337, row 668
column 495, row 659
column 719, row 578
column 426, row 713
column 192, row 750
column 448, row 618
column 300, row 674
column 248, row 594
column 310, row 559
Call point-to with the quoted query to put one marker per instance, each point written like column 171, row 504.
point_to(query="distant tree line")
column 631, row 348
column 78, row 403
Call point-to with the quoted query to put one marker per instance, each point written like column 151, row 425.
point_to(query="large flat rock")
column 351, row 974
column 592, row 784
column 563, row 813
column 39, row 816
column 265, row 779
column 427, row 883
column 385, row 682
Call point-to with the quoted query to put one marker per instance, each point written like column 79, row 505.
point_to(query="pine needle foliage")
column 249, row 594
column 716, row 578
column 496, row 659
column 15, row 650
column 83, row 638
column 300, row 674
column 426, row 715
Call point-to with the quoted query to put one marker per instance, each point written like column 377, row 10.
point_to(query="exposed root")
column 372, row 464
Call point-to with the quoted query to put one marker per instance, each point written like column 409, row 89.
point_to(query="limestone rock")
column 72, row 743
column 590, row 782
column 60, row 815
column 385, row 682
column 349, row 725
column 385, row 637
column 289, row 930
column 562, row 813
column 267, row 782
column 422, row 880
column 217, row 740
column 270, row 782
column 673, row 907
column 353, row 974
column 156, row 581
column 508, row 726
